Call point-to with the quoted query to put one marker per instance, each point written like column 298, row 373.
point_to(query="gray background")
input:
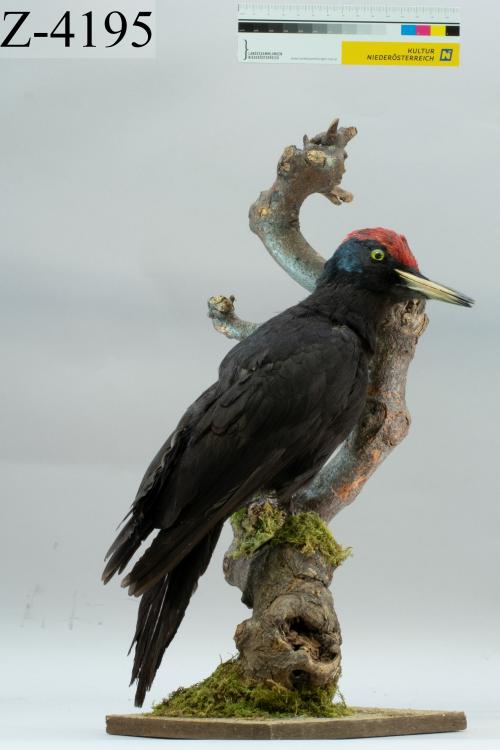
column 125, row 190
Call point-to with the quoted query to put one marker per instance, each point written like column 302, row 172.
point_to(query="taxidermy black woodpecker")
column 286, row 397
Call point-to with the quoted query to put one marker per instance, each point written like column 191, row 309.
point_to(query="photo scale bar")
column 352, row 13
column 274, row 27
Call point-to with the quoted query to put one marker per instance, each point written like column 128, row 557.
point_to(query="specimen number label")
column 122, row 29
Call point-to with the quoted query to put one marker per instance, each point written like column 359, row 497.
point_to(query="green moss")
column 228, row 692
column 310, row 533
column 258, row 524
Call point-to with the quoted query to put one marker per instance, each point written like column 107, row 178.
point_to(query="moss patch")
column 256, row 525
column 310, row 533
column 228, row 692
column 259, row 524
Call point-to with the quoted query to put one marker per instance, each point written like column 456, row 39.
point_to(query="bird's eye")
column 377, row 254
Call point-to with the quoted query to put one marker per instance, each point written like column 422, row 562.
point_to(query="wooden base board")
column 364, row 722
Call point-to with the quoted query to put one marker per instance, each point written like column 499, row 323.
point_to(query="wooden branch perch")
column 318, row 168
column 293, row 636
column 274, row 217
column 225, row 320
column 385, row 420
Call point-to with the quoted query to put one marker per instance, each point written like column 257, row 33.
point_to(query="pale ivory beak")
column 433, row 290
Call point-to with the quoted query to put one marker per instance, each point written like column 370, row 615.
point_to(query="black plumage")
column 286, row 397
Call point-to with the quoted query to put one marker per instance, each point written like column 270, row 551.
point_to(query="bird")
column 286, row 397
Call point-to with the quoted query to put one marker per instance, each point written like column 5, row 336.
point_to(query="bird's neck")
column 345, row 304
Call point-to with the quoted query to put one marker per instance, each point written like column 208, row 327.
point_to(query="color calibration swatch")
column 411, row 29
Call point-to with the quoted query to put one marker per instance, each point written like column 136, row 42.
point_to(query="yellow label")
column 401, row 53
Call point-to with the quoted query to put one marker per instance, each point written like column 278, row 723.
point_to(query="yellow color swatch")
column 437, row 30
column 421, row 53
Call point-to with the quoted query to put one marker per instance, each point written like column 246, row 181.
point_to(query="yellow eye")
column 377, row 254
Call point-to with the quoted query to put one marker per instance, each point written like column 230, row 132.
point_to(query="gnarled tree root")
column 293, row 636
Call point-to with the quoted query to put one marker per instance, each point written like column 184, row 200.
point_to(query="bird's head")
column 380, row 260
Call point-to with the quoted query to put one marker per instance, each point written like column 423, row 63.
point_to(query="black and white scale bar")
column 298, row 27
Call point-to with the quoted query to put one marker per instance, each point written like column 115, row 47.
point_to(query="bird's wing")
column 273, row 397
column 266, row 414
column 164, row 462
column 266, row 398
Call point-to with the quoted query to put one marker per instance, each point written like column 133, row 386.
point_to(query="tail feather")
column 141, row 522
column 124, row 547
column 162, row 609
column 171, row 545
column 166, row 551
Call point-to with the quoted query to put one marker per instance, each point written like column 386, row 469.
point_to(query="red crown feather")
column 395, row 243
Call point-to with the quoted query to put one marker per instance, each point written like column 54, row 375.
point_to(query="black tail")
column 162, row 609
column 125, row 546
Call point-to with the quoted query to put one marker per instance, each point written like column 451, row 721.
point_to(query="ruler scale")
column 348, row 34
